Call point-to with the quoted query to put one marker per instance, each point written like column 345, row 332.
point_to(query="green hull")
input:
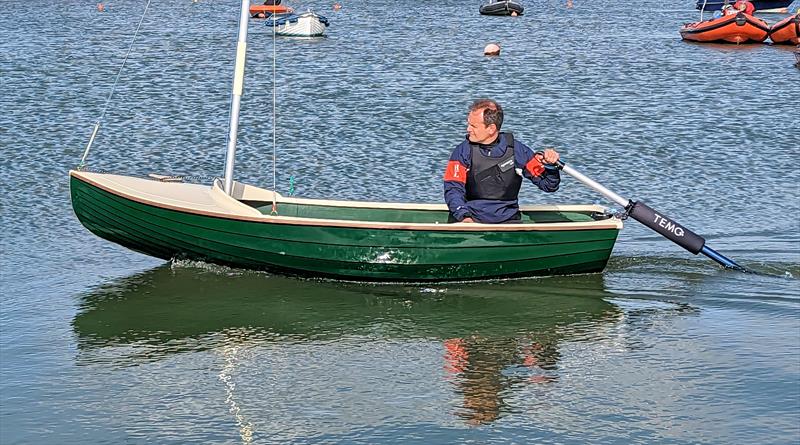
column 372, row 253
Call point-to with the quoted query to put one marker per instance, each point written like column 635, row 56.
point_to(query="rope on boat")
column 113, row 87
column 274, row 124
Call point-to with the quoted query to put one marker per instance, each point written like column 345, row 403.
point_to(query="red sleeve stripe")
column 534, row 166
column 456, row 171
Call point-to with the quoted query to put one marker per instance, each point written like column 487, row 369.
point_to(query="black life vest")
column 493, row 178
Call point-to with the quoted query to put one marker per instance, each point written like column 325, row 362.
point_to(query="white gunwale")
column 212, row 201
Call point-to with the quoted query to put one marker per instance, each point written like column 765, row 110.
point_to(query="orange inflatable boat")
column 266, row 10
column 734, row 28
column 786, row 31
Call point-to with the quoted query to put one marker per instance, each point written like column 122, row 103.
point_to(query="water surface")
column 103, row 345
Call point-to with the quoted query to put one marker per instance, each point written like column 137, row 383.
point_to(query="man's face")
column 477, row 132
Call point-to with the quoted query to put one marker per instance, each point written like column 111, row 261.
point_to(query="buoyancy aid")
column 493, row 178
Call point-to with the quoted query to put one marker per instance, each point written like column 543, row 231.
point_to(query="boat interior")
column 262, row 200
column 254, row 202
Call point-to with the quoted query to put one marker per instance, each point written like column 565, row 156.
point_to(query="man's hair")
column 492, row 112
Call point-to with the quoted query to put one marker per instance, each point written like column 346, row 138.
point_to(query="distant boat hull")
column 735, row 28
column 761, row 5
column 263, row 11
column 502, row 8
column 307, row 24
column 787, row 31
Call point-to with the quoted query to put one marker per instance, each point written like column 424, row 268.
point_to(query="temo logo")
column 667, row 224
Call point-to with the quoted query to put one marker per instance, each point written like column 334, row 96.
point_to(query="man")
column 484, row 174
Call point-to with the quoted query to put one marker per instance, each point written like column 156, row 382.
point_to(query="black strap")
column 510, row 140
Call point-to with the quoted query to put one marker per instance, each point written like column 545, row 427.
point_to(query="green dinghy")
column 239, row 225
column 371, row 241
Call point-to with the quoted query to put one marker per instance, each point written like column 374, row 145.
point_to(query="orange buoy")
column 337, row 6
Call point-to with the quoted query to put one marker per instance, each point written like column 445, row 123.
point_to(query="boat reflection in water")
column 494, row 337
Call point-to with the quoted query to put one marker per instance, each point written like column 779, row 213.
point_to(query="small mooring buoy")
column 491, row 49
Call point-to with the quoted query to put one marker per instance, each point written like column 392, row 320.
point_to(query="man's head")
column 484, row 121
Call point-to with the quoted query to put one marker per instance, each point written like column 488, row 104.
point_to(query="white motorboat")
column 306, row 24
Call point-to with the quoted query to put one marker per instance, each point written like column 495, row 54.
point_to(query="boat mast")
column 236, row 94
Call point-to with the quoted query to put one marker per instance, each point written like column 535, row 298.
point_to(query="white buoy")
column 491, row 49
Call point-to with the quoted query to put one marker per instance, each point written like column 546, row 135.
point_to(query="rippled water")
column 102, row 345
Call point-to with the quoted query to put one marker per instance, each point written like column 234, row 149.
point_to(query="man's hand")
column 549, row 156
column 467, row 220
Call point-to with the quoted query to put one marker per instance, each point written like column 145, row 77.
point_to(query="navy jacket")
column 492, row 211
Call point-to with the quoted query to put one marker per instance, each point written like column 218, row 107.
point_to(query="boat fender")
column 666, row 227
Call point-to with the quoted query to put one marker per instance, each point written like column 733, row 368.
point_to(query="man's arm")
column 533, row 167
column 455, row 184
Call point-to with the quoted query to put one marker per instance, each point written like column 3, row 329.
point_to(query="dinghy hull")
column 197, row 222
column 307, row 24
column 735, row 28
column 761, row 5
column 786, row 31
column 503, row 7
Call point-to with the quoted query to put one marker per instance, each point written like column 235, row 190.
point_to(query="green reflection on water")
column 495, row 336
column 165, row 304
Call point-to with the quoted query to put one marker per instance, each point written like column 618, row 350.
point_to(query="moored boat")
column 786, row 31
column 307, row 24
column 340, row 239
column 502, row 7
column 264, row 11
column 734, row 28
column 760, row 5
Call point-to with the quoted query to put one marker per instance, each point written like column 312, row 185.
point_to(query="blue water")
column 102, row 345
